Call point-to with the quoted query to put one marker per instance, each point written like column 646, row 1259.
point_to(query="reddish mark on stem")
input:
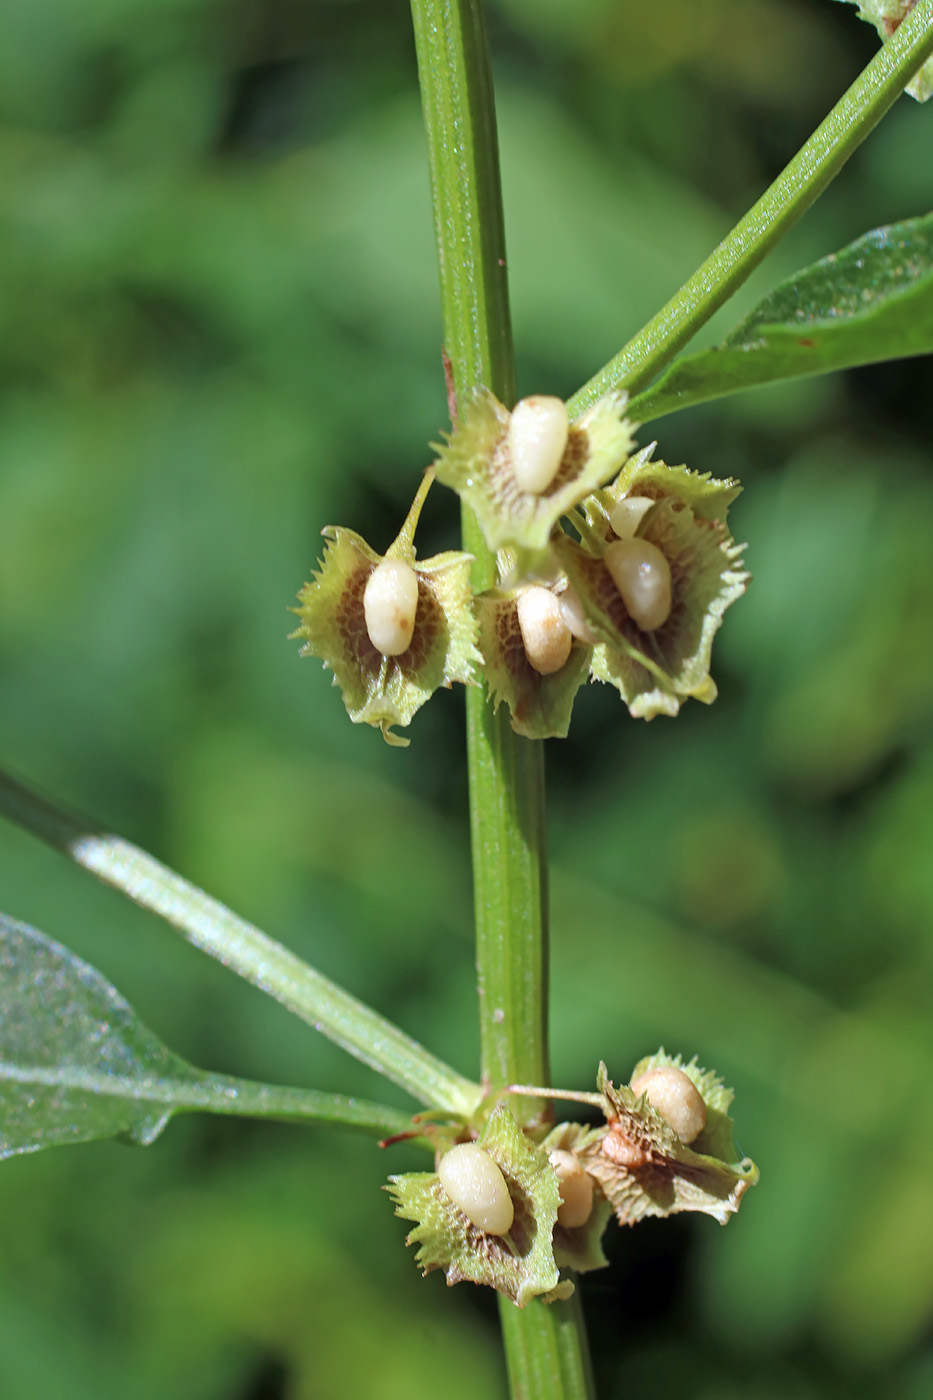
column 400, row 1137
column 451, row 387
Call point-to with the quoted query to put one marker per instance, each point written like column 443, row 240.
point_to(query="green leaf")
column 76, row 1062
column 871, row 301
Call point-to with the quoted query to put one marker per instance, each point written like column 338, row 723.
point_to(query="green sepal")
column 581, row 1248
column 707, row 496
column 519, row 1265
column 655, row 671
column 886, row 16
column 475, row 463
column 660, row 1175
column 389, row 690
column 539, row 706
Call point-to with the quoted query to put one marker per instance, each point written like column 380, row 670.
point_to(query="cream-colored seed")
column 390, row 601
column 626, row 515
column 545, row 635
column 571, row 610
column 643, row 577
column 576, row 1190
column 673, row 1095
column 476, row 1186
column 538, row 430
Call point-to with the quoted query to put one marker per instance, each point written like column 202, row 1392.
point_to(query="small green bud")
column 392, row 630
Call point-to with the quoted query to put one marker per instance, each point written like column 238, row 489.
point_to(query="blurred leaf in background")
column 220, row 332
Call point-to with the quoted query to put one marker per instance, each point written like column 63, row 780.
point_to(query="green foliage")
column 76, row 1063
column 871, row 301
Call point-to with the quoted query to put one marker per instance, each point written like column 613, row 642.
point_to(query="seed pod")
column 538, row 430
column 571, row 610
column 643, row 577
column 545, row 635
column 390, row 601
column 673, row 1095
column 476, row 1186
column 626, row 515
column 576, row 1190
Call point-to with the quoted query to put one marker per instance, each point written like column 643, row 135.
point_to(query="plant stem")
column 546, row 1349
column 213, row 928
column 506, row 773
column 814, row 166
column 244, row 1098
column 545, row 1345
column 463, row 153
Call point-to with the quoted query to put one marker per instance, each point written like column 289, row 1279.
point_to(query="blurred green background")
column 220, row 332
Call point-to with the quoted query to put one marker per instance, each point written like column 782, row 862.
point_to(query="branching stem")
column 814, row 166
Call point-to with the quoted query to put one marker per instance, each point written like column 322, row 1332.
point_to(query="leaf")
column 76, row 1062
column 872, row 301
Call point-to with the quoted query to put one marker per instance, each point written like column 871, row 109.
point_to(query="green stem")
column 506, row 773
column 463, row 153
column 816, row 164
column 247, row 1099
column 213, row 928
column 547, row 1350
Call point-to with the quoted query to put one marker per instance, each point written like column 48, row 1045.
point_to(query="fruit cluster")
column 611, row 566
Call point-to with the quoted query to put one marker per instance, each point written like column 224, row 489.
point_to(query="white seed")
column 545, row 635
column 673, row 1095
column 643, row 577
column 390, row 601
column 538, row 430
column 571, row 610
column 576, row 1190
column 476, row 1186
column 626, row 515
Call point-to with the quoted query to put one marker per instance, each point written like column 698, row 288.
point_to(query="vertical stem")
column 506, row 773
column 463, row 151
column 544, row 1351
column 545, row 1346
